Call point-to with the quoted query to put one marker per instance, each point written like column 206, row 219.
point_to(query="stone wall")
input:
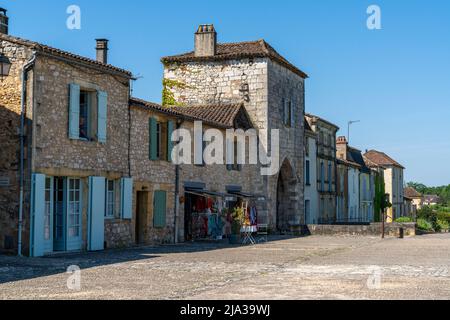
column 374, row 229
column 10, row 110
column 261, row 85
column 285, row 86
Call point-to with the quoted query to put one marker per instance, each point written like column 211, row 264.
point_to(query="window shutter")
column 159, row 209
column 102, row 104
column 308, row 179
column 96, row 213
column 153, row 139
column 74, row 112
column 37, row 246
column 170, row 128
column 126, row 187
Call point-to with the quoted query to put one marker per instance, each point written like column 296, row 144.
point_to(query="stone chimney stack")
column 205, row 41
column 102, row 50
column 341, row 148
column 3, row 21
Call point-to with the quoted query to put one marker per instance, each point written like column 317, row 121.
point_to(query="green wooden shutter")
column 126, row 201
column 170, row 128
column 153, row 136
column 102, row 104
column 159, row 209
column 74, row 112
column 37, row 215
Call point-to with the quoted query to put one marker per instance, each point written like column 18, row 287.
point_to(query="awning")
column 204, row 193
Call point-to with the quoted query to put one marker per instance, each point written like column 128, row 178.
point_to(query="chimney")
column 3, row 21
column 341, row 148
column 205, row 41
column 102, row 50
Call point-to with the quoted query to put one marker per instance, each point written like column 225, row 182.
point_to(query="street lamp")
column 5, row 66
column 349, row 124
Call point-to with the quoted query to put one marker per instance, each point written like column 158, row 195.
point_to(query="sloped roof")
column 314, row 118
column 412, row 193
column 219, row 115
column 42, row 48
column 382, row 159
column 239, row 50
column 355, row 155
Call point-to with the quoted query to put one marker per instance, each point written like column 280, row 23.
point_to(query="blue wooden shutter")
column 102, row 101
column 74, row 112
column 159, row 209
column 126, row 204
column 96, row 213
column 37, row 246
column 153, row 136
column 170, row 128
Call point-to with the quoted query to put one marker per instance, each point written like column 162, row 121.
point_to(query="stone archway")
column 287, row 208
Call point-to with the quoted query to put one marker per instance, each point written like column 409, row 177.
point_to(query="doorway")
column 141, row 216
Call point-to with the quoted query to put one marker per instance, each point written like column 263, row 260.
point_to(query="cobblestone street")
column 285, row 268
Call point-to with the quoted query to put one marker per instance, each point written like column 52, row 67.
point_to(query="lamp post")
column 349, row 124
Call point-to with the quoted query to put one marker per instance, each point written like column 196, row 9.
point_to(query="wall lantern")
column 5, row 66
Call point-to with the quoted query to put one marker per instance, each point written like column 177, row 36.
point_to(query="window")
column 307, row 173
column 87, row 114
column 160, row 134
column 48, row 209
column 74, row 208
column 287, row 113
column 235, row 166
column 110, row 198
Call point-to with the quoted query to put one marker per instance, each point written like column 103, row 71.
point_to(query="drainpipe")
column 177, row 196
column 25, row 70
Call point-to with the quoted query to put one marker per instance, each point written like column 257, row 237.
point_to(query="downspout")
column 25, row 70
column 177, row 196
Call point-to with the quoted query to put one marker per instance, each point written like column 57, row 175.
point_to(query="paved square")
column 285, row 268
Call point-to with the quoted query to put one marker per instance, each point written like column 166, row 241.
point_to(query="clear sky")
column 395, row 80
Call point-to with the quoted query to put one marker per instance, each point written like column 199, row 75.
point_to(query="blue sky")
column 395, row 80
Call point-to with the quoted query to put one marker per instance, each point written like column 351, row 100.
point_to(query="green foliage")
column 404, row 220
column 424, row 225
column 380, row 203
column 238, row 220
column 168, row 97
column 443, row 225
column 443, row 192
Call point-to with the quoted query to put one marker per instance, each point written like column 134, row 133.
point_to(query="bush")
column 404, row 220
column 443, row 225
column 424, row 225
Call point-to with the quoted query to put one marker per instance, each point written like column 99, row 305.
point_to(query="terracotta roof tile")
column 412, row 193
column 382, row 159
column 222, row 115
column 239, row 50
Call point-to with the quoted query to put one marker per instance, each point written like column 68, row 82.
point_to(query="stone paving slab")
column 286, row 268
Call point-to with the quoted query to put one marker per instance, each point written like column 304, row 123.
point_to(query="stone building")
column 311, row 193
column 272, row 92
column 348, row 181
column 393, row 179
column 326, row 167
column 415, row 196
column 154, row 171
column 69, row 176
